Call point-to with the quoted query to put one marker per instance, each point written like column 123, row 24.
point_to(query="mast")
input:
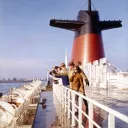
column 66, row 58
column 89, row 5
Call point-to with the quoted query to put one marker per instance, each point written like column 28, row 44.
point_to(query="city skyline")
column 30, row 47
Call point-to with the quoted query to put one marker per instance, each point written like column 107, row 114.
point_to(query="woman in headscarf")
column 78, row 85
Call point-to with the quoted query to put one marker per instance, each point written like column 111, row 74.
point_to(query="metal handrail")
column 65, row 94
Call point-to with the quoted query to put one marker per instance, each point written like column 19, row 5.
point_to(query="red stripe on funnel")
column 87, row 48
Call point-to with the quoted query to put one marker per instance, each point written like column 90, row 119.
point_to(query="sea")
column 4, row 87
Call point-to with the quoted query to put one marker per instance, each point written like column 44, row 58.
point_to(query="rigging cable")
column 84, row 5
column 93, row 5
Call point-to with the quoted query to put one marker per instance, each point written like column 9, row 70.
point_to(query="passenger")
column 80, row 65
column 64, row 74
column 70, row 72
column 54, row 71
column 86, row 81
column 63, row 68
column 77, row 80
column 59, row 70
column 78, row 85
column 56, row 68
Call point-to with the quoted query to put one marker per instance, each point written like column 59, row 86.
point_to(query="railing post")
column 109, row 88
column 90, row 73
column 90, row 114
column 69, row 98
column 73, row 109
column 65, row 99
column 60, row 92
column 62, row 97
column 80, row 113
column 111, row 121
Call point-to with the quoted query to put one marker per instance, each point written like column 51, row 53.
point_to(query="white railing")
column 66, row 97
column 101, row 73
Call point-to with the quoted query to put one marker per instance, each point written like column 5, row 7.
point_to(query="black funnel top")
column 87, row 22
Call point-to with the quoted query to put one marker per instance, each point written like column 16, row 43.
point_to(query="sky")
column 29, row 47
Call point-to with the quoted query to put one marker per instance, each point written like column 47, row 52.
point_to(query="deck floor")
column 53, row 116
column 114, row 98
column 45, row 115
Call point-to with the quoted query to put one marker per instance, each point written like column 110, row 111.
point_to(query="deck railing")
column 101, row 73
column 66, row 97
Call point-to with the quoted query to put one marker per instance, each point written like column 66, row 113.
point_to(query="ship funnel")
column 88, row 43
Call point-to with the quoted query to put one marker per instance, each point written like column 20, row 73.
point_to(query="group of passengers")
column 74, row 77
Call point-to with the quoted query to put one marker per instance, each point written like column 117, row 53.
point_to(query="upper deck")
column 107, row 99
column 55, row 114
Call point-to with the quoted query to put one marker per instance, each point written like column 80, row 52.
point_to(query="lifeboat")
column 7, row 113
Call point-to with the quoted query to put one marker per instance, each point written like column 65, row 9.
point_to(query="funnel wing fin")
column 66, row 24
column 104, row 25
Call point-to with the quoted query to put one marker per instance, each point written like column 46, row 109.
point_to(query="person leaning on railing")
column 83, row 74
column 53, row 72
column 85, row 79
column 78, row 85
column 70, row 72
column 77, row 80
column 63, row 73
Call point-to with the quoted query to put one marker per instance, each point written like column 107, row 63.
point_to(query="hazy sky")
column 29, row 46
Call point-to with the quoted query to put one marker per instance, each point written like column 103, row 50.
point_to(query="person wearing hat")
column 59, row 70
column 63, row 68
column 63, row 73
column 70, row 72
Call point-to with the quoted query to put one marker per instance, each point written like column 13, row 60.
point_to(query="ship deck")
column 53, row 116
column 116, row 99
column 48, row 117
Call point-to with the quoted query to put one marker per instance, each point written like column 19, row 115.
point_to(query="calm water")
column 4, row 87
